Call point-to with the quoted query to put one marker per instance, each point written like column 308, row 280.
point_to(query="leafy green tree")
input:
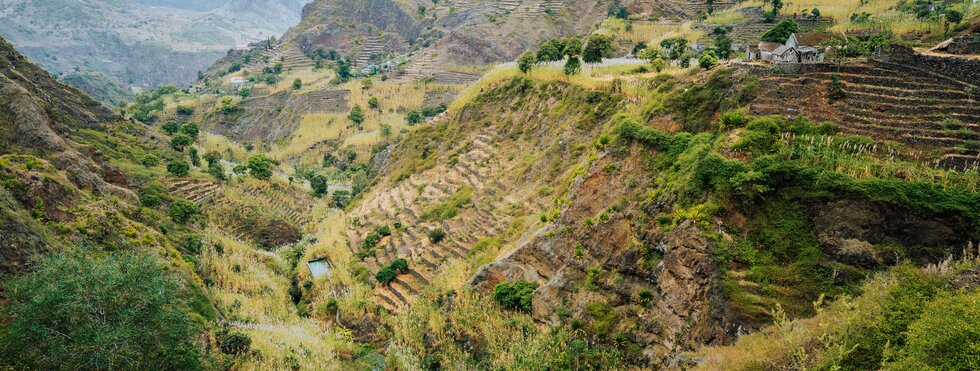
column 723, row 46
column 181, row 141
column 386, row 275
column 526, row 61
column 98, row 311
column 953, row 16
column 182, row 210
column 178, row 168
column 195, row 159
column 597, row 48
column 260, row 166
column 355, row 115
column 185, row 110
column 514, row 295
column 171, row 127
column 707, row 59
column 373, row 102
column 781, row 31
column 551, row 51
column 212, row 157
column 297, row 84
column 572, row 66
column 319, row 185
column 573, row 47
column 400, row 265
column 216, row 170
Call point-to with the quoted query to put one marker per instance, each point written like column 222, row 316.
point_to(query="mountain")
column 381, row 188
column 137, row 44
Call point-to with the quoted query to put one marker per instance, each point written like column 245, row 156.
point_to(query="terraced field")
column 406, row 201
column 935, row 115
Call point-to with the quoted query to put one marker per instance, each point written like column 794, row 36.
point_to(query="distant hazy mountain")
column 96, row 44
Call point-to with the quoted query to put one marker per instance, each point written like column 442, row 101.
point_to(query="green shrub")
column 182, row 210
column 97, row 311
column 707, row 60
column 178, row 168
column 515, row 295
column 150, row 200
column 437, row 235
column 260, row 166
column 355, row 115
column 150, row 161
column 181, row 141
column 184, row 110
column 945, row 337
column 386, row 275
column 171, row 127
column 297, row 84
column 400, row 265
column 413, row 117
column 236, row 343
column 190, row 129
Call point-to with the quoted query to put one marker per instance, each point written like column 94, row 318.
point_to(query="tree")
column 319, row 185
column 597, row 48
column 297, row 84
column 178, row 168
column 182, row 210
column 355, row 115
column 573, row 47
column 514, row 295
column 343, row 69
column 400, row 265
column 413, row 117
column 190, row 129
column 171, row 127
column 781, row 32
column 707, row 59
column 551, row 51
column 386, row 275
column 212, row 157
column 437, row 235
column 181, row 141
column 150, row 161
column 572, row 66
column 373, row 102
column 260, row 166
column 777, row 5
column 953, row 16
column 195, row 159
column 815, row 13
column 526, row 61
column 119, row 310
column 723, row 46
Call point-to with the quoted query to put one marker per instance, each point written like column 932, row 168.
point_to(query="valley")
column 115, row 49
column 527, row 185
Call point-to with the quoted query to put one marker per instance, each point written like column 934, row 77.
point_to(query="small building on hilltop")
column 799, row 48
column 763, row 51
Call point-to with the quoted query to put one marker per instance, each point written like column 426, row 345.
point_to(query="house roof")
column 768, row 46
column 812, row 39
column 782, row 50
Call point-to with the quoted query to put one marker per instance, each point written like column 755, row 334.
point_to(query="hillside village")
column 517, row 184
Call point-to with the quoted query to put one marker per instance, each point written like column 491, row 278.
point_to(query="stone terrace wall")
column 962, row 69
